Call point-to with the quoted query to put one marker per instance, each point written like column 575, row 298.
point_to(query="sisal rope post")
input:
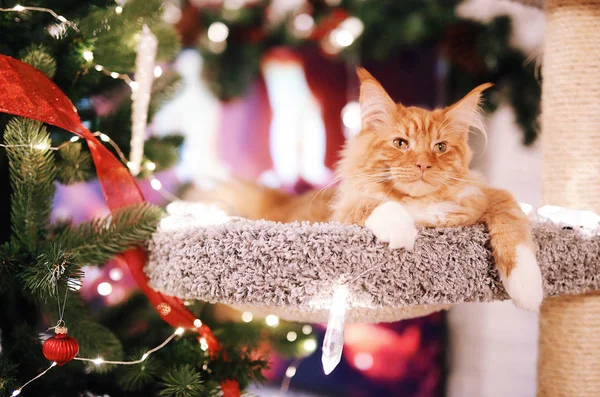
column 569, row 344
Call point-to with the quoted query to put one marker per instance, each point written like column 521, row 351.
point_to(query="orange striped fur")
column 411, row 166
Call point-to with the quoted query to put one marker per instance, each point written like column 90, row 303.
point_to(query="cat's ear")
column 376, row 107
column 467, row 113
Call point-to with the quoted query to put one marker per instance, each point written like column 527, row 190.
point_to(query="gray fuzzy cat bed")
column 290, row 270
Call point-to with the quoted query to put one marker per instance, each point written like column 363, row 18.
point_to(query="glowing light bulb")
column 54, row 364
column 333, row 343
column 306, row 329
column 114, row 75
column 88, row 55
column 310, row 345
column 98, row 361
column 272, row 320
column 61, row 18
column 197, row 323
column 291, row 336
column 145, row 356
column 218, row 32
column 74, row 139
column 304, row 23
column 342, row 37
column 351, row 116
column 150, row 166
column 363, row 361
column 115, row 274
column 16, row 393
column 41, row 146
column 118, row 10
column 290, row 371
column 104, row 288
column 203, row 344
column 18, row 8
column 158, row 71
column 179, row 331
column 99, row 68
column 134, row 85
column 156, row 184
column 353, row 25
column 104, row 138
column 247, row 317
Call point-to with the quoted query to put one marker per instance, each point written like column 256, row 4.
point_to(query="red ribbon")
column 27, row 92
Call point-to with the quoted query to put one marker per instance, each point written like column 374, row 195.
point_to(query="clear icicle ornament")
column 141, row 89
column 333, row 344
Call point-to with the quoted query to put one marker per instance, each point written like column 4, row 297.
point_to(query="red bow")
column 29, row 93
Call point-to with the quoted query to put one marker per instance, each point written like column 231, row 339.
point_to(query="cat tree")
column 569, row 344
column 291, row 270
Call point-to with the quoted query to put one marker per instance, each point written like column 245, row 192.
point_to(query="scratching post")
column 569, row 358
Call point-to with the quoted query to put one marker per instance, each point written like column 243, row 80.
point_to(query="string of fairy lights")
column 217, row 33
column 309, row 345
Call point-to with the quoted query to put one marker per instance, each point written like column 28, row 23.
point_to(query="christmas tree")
column 89, row 48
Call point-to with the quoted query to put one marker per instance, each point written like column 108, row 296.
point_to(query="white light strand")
column 154, row 182
column 289, row 374
column 140, row 96
column 20, row 8
column 333, row 344
column 115, row 75
column 100, row 360
column 18, row 391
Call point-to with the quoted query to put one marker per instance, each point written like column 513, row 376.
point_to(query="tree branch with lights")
column 128, row 348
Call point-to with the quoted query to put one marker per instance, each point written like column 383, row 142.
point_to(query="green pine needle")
column 99, row 240
column 37, row 55
column 7, row 376
column 73, row 165
column 136, row 377
column 182, row 381
column 53, row 266
column 32, row 174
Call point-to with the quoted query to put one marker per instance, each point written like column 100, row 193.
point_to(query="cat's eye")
column 401, row 143
column 440, row 147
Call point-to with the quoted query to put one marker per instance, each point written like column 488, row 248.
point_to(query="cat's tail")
column 513, row 249
column 250, row 200
column 253, row 201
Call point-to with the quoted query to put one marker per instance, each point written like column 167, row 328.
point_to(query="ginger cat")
column 409, row 166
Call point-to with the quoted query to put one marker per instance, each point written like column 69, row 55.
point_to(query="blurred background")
column 267, row 91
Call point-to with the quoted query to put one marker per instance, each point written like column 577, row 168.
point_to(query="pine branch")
column 98, row 241
column 136, row 377
column 32, row 174
column 114, row 41
column 53, row 267
column 37, row 55
column 163, row 152
column 7, row 377
column 73, row 164
column 182, row 381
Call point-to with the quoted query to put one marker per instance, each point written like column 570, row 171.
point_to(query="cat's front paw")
column 391, row 223
column 524, row 283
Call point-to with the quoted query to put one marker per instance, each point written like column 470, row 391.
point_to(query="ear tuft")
column 467, row 113
column 363, row 74
column 376, row 107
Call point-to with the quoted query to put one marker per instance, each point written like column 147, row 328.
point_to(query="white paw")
column 524, row 284
column 391, row 223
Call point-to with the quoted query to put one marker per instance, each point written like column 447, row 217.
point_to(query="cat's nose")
column 423, row 166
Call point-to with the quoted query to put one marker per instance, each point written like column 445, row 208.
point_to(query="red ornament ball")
column 60, row 348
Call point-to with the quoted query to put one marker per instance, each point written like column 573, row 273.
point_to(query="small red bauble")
column 60, row 348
